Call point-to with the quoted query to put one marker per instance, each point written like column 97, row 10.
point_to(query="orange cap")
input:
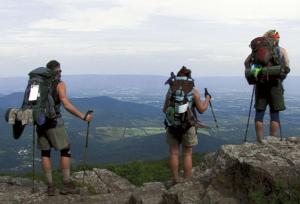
column 272, row 34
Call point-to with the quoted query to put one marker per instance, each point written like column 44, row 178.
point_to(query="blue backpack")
column 180, row 115
column 38, row 95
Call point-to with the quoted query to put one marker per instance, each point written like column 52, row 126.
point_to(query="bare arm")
column 200, row 106
column 286, row 61
column 61, row 90
column 285, row 57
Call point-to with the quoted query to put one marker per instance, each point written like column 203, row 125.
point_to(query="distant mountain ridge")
column 111, row 114
column 110, row 85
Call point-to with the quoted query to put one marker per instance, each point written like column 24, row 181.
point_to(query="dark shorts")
column 53, row 136
column 271, row 94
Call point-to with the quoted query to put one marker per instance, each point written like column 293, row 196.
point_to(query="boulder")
column 239, row 170
column 184, row 193
column 149, row 193
column 104, row 181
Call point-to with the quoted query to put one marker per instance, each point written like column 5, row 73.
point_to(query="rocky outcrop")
column 103, row 181
column 237, row 171
column 149, row 193
column 234, row 174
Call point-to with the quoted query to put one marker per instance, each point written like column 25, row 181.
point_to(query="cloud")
column 78, row 17
column 126, row 14
column 232, row 10
column 142, row 31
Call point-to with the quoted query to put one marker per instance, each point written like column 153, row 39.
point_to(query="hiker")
column 182, row 124
column 270, row 64
column 53, row 134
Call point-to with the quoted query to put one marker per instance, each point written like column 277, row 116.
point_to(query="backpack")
column 38, row 95
column 179, row 114
column 264, row 52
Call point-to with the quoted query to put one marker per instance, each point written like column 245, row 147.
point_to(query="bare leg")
column 65, row 168
column 68, row 186
column 174, row 161
column 259, row 128
column 274, row 126
column 187, row 162
column 46, row 164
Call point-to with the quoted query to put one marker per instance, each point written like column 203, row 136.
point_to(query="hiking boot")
column 69, row 188
column 51, row 190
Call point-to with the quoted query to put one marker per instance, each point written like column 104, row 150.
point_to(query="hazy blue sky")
column 141, row 36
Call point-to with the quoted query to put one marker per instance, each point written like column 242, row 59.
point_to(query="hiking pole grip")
column 87, row 113
column 211, row 107
column 206, row 93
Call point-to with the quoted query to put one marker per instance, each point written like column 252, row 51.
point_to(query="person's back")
column 186, row 135
column 53, row 134
column 269, row 89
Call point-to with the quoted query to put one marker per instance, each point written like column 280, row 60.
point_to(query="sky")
column 151, row 37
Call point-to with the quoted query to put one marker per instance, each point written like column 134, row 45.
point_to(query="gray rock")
column 149, row 193
column 226, row 176
column 213, row 196
column 110, row 198
column 19, row 190
column 236, row 170
column 91, row 179
column 104, row 181
column 114, row 182
column 184, row 193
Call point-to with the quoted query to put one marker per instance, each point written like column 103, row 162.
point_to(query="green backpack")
column 179, row 114
column 38, row 95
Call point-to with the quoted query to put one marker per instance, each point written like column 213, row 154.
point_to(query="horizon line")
column 147, row 75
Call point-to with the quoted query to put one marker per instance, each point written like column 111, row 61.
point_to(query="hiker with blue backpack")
column 44, row 95
column 266, row 68
column 181, row 102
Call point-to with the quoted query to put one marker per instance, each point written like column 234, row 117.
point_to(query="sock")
column 66, row 175
column 48, row 174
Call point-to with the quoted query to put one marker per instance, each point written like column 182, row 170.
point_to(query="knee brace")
column 274, row 116
column 66, row 152
column 259, row 115
column 46, row 153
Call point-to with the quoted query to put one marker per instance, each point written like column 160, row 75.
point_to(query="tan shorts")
column 189, row 138
column 56, row 137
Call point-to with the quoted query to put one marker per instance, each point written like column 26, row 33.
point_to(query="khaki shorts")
column 189, row 138
column 56, row 137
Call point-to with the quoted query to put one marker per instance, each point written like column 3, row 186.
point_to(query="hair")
column 184, row 72
column 53, row 64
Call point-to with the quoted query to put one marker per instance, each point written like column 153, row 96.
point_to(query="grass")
column 137, row 172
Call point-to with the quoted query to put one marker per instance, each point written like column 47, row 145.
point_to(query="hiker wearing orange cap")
column 270, row 64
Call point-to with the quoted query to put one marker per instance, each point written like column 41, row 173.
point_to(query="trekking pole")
column 211, row 107
column 246, row 132
column 33, row 159
column 86, row 144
